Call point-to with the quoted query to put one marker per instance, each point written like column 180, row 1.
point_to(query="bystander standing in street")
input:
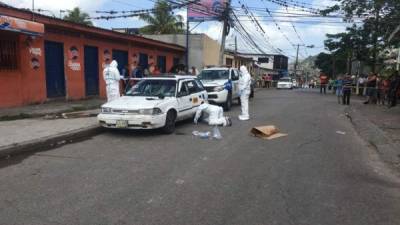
column 323, row 82
column 380, row 93
column 195, row 71
column 156, row 71
column 394, row 88
column 347, row 83
column 385, row 90
column 339, row 88
column 360, row 83
column 371, row 89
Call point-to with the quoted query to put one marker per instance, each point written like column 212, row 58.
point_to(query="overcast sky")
column 310, row 33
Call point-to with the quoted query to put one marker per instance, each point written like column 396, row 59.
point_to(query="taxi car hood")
column 213, row 83
column 135, row 102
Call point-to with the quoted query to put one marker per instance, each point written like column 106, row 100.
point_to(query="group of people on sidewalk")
column 377, row 89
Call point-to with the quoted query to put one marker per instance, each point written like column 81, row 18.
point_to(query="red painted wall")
column 28, row 85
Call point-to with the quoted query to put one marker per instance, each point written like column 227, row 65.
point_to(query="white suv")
column 222, row 85
column 156, row 102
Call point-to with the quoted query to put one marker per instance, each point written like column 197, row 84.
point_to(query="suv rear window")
column 214, row 75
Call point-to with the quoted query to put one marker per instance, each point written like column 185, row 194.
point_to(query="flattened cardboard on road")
column 267, row 132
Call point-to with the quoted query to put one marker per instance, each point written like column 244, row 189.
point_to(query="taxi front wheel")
column 170, row 120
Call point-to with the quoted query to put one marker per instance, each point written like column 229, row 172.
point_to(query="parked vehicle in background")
column 222, row 85
column 154, row 102
column 285, row 83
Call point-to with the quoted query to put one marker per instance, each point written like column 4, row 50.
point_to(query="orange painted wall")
column 28, row 85
column 25, row 85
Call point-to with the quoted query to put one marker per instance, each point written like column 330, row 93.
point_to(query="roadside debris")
column 81, row 114
column 216, row 134
column 341, row 132
column 51, row 117
column 267, row 132
column 202, row 135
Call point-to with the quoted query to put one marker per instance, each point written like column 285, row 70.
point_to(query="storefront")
column 54, row 59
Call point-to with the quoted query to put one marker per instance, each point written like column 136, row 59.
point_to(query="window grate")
column 8, row 55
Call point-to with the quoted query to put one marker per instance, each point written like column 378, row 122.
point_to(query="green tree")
column 330, row 64
column 379, row 17
column 78, row 16
column 350, row 45
column 162, row 21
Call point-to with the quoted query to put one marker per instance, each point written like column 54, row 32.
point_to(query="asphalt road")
column 313, row 176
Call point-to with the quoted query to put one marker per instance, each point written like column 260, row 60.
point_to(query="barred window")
column 8, row 54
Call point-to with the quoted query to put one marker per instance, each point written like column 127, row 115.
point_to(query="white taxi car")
column 285, row 83
column 156, row 102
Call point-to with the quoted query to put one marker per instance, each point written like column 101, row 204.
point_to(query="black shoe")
column 229, row 122
column 366, row 102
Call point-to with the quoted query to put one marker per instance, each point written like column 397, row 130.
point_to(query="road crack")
column 284, row 195
column 311, row 141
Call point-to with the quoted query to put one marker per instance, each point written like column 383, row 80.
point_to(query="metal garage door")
column 143, row 61
column 162, row 63
column 91, row 70
column 121, row 57
column 54, row 60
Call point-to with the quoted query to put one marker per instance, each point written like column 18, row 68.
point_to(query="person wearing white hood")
column 244, row 92
column 112, row 77
column 212, row 114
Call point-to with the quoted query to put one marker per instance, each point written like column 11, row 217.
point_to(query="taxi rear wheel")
column 170, row 120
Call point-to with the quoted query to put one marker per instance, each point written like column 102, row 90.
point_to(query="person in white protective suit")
column 212, row 114
column 244, row 91
column 112, row 77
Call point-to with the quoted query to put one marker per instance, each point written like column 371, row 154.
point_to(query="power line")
column 259, row 28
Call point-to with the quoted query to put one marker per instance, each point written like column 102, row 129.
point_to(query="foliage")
column 330, row 64
column 380, row 19
column 77, row 16
column 162, row 21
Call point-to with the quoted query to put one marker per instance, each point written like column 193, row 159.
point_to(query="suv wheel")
column 169, row 126
column 228, row 103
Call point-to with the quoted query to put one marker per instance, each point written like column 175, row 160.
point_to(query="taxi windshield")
column 153, row 88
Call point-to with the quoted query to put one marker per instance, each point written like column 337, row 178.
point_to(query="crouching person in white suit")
column 212, row 114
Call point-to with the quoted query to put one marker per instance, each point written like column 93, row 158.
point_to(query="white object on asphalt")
column 212, row 114
column 245, row 89
column 202, row 135
column 112, row 77
column 341, row 132
column 216, row 133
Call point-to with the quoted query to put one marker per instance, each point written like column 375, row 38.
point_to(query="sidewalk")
column 378, row 125
column 387, row 119
column 49, row 108
column 45, row 126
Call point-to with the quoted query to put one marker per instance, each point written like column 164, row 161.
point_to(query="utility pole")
column 187, row 41
column 224, row 33
column 235, row 45
column 398, row 60
column 33, row 10
column 297, row 60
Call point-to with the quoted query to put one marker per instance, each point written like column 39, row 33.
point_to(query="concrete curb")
column 388, row 151
column 49, row 142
